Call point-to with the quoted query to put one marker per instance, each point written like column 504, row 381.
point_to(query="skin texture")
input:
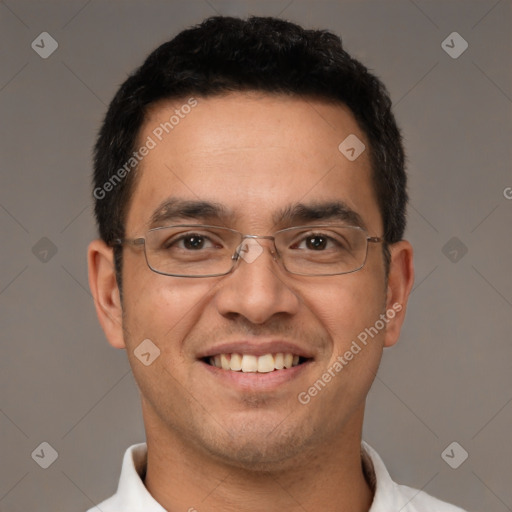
column 215, row 446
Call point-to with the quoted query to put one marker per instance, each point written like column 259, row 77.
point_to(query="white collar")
column 132, row 495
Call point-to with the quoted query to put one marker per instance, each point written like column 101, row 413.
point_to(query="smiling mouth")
column 248, row 363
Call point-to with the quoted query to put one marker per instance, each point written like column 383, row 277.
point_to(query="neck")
column 329, row 478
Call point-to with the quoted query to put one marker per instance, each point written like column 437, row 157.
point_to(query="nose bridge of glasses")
column 259, row 237
column 251, row 248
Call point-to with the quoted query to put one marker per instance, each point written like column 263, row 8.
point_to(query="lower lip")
column 254, row 381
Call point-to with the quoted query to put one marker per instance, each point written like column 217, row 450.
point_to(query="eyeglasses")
column 192, row 250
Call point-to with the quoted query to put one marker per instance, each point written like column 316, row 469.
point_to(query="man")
column 250, row 196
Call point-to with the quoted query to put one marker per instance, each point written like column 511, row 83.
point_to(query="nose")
column 258, row 288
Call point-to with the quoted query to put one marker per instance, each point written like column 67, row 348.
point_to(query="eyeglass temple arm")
column 126, row 241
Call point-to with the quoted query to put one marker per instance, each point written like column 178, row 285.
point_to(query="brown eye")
column 316, row 242
column 193, row 242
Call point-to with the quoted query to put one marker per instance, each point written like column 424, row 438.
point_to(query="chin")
column 260, row 447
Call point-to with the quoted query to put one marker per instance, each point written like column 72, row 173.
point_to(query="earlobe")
column 105, row 291
column 400, row 281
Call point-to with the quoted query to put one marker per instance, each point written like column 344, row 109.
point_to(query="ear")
column 400, row 281
column 103, row 285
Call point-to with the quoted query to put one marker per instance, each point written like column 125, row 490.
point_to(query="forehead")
column 254, row 155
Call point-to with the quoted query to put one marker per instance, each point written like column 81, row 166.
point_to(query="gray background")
column 449, row 378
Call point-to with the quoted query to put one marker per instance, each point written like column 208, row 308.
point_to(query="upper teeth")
column 249, row 363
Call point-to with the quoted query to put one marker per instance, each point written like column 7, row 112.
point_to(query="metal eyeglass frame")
column 236, row 255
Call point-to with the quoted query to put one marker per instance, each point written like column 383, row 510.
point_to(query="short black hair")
column 226, row 54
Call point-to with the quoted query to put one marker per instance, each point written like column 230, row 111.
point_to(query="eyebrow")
column 173, row 210
column 319, row 211
column 177, row 210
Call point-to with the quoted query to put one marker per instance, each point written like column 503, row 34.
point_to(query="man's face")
column 256, row 156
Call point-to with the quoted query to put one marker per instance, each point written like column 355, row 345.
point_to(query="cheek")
column 162, row 308
column 346, row 305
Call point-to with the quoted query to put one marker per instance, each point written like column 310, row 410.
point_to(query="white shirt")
column 132, row 495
